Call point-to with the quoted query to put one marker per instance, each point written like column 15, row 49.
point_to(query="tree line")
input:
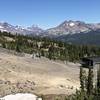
column 52, row 49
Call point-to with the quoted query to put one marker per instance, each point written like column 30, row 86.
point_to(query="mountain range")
column 19, row 29
column 69, row 31
column 73, row 27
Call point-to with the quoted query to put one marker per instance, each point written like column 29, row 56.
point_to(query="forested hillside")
column 88, row 38
column 46, row 47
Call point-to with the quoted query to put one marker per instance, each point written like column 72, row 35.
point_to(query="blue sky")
column 48, row 13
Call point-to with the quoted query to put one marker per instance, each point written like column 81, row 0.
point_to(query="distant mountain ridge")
column 19, row 29
column 76, row 32
column 73, row 27
column 89, row 38
column 65, row 28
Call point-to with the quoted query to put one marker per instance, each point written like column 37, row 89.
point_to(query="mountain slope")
column 89, row 38
column 72, row 27
column 76, row 32
column 18, row 29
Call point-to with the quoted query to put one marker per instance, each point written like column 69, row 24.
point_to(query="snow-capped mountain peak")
column 71, row 24
column 65, row 28
column 4, row 26
column 1, row 27
column 72, row 27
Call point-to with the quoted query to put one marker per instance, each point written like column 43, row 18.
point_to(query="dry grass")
column 40, row 76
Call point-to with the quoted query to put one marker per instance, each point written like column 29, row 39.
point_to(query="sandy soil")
column 41, row 76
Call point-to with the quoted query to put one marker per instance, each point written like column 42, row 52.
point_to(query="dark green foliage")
column 82, row 79
column 98, row 82
column 90, row 38
column 3, row 45
column 53, row 49
column 86, row 90
column 90, row 82
column 17, row 48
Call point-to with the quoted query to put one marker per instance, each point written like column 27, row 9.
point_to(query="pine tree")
column 90, row 82
column 3, row 45
column 98, row 81
column 17, row 48
column 83, row 79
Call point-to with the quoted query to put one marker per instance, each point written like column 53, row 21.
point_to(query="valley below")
column 41, row 76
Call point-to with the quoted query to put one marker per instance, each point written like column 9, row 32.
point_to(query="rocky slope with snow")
column 65, row 28
column 72, row 27
column 35, row 30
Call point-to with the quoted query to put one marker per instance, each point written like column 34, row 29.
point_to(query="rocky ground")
column 40, row 76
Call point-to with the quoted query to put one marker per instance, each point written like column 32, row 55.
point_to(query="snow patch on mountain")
column 35, row 30
column 65, row 28
column 72, row 27
column 72, row 24
column 1, row 27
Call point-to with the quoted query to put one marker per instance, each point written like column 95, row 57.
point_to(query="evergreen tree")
column 17, row 48
column 98, row 81
column 3, row 45
column 82, row 81
column 90, row 82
